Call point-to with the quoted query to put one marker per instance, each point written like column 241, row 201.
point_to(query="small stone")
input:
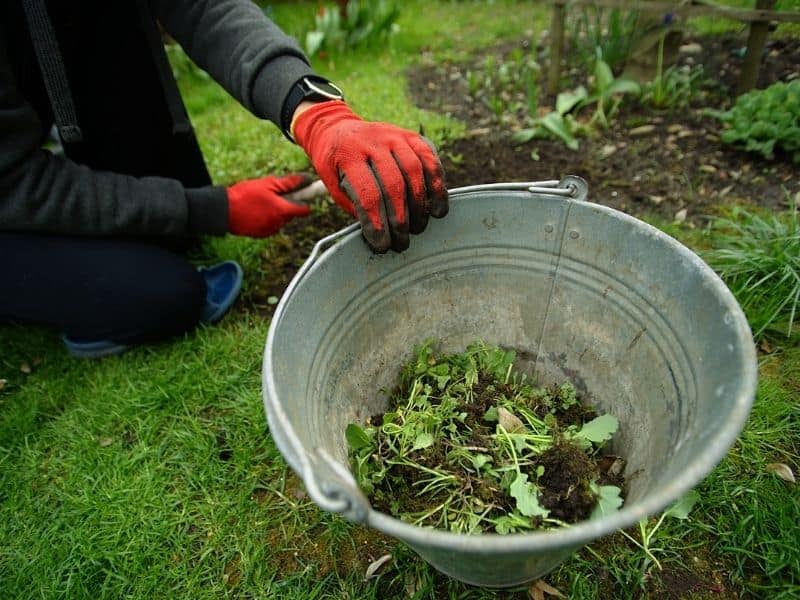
column 680, row 216
column 693, row 48
column 657, row 200
column 708, row 168
column 607, row 151
column 674, row 128
column 105, row 442
column 3, row 383
column 25, row 368
column 642, row 130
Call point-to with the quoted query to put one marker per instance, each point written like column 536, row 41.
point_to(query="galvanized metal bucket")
column 641, row 325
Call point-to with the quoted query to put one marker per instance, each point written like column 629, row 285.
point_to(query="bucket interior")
column 582, row 293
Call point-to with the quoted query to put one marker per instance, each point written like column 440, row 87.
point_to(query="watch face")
column 325, row 88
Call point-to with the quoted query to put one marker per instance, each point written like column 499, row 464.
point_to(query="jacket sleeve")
column 40, row 191
column 242, row 50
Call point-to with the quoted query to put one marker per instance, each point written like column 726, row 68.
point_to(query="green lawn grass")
column 153, row 475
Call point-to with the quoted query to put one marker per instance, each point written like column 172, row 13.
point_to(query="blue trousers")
column 125, row 291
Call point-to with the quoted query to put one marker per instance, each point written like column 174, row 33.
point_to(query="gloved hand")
column 256, row 207
column 391, row 178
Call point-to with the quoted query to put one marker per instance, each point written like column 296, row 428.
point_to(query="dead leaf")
column 375, row 565
column 25, row 368
column 539, row 589
column 3, row 383
column 411, row 585
column 708, row 169
column 105, row 442
column 509, row 421
column 611, row 464
column 680, row 216
column 765, row 347
column 479, row 131
column 782, row 470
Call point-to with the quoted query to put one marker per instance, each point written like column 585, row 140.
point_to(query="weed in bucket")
column 470, row 446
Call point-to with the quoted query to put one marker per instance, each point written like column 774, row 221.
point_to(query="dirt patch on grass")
column 287, row 251
column 353, row 553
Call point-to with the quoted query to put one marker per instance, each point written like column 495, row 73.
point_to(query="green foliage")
column 606, row 96
column 765, row 120
column 607, row 93
column 499, row 81
column 674, row 88
column 607, row 33
column 366, row 23
column 431, row 439
column 559, row 123
column 759, row 259
column 680, row 510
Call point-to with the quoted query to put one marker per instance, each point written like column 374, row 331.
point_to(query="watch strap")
column 302, row 90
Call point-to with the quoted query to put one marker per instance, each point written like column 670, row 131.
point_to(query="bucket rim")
column 575, row 535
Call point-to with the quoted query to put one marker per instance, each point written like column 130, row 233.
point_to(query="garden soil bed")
column 678, row 165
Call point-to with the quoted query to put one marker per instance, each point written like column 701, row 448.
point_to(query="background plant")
column 607, row 33
column 759, row 259
column 506, row 84
column 364, row 23
column 765, row 120
column 606, row 95
column 675, row 88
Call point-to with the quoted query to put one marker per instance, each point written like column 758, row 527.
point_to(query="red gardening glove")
column 257, row 208
column 390, row 177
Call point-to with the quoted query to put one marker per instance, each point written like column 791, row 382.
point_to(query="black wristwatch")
column 311, row 87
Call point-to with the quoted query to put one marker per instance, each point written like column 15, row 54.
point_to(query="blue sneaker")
column 93, row 349
column 223, row 283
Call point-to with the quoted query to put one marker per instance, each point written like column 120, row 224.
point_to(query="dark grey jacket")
column 91, row 191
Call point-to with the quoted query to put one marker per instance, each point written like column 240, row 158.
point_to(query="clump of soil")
column 470, row 446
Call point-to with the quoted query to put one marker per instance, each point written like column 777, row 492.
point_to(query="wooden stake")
column 751, row 66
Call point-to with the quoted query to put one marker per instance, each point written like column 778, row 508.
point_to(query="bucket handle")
column 570, row 186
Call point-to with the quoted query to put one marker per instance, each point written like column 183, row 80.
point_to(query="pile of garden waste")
column 469, row 445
